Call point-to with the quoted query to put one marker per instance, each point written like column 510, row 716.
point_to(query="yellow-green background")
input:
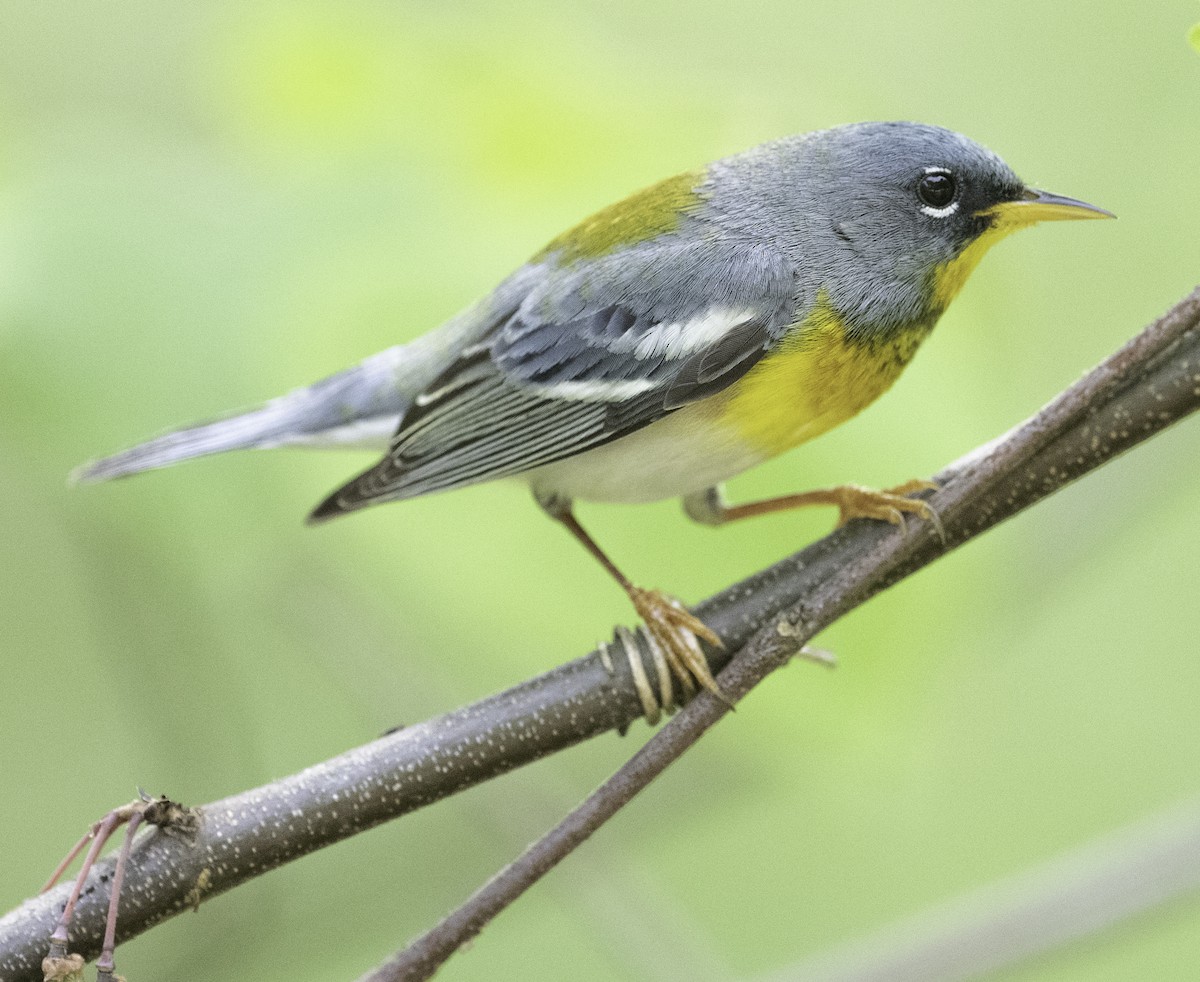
column 203, row 205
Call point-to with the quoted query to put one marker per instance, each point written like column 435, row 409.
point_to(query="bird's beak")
column 1042, row 206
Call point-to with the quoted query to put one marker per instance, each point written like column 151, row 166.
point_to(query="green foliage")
column 202, row 205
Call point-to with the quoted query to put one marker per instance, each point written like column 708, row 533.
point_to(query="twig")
column 1102, row 883
column 1151, row 383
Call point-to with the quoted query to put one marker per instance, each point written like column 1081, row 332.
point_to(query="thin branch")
column 1150, row 383
column 1144, row 388
column 1089, row 889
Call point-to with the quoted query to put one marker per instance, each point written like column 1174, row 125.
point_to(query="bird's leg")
column 671, row 627
column 853, row 501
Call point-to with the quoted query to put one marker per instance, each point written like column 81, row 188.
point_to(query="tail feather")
column 355, row 408
column 359, row 407
column 197, row 441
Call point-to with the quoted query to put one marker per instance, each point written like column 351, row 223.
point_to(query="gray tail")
column 359, row 407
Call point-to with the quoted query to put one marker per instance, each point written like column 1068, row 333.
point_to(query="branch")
column 1142, row 389
column 1089, row 889
column 1148, row 384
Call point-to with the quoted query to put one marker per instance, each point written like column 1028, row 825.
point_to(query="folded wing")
column 591, row 355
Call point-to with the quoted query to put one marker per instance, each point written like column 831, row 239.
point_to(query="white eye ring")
column 949, row 209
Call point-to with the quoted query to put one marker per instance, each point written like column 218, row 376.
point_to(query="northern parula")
column 671, row 341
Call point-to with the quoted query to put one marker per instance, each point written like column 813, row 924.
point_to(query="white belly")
column 684, row 452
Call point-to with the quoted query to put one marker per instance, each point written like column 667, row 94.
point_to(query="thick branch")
column 1148, row 384
column 1153, row 381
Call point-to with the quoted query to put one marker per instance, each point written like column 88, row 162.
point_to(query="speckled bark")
column 1152, row 382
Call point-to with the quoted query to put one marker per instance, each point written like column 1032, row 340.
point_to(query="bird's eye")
column 937, row 189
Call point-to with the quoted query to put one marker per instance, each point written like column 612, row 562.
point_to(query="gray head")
column 887, row 219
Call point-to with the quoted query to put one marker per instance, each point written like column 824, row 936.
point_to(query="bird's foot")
column 676, row 633
column 890, row 505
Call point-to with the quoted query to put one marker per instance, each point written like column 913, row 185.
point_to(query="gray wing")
column 589, row 356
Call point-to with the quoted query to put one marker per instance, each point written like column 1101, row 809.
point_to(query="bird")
column 669, row 342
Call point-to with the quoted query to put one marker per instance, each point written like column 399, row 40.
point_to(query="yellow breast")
column 816, row 379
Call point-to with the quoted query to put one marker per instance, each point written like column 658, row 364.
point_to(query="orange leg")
column 852, row 501
column 675, row 631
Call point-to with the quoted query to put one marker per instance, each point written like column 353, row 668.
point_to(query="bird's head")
column 889, row 219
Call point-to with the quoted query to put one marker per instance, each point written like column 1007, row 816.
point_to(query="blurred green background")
column 205, row 205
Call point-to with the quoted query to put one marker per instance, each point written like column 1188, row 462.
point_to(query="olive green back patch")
column 648, row 213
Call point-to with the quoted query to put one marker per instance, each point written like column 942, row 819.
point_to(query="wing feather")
column 590, row 355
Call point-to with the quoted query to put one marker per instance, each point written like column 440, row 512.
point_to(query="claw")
column 676, row 632
column 890, row 505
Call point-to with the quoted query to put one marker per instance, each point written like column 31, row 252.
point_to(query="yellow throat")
column 1007, row 217
column 819, row 377
column 816, row 379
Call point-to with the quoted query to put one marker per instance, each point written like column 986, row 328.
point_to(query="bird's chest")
column 814, row 381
